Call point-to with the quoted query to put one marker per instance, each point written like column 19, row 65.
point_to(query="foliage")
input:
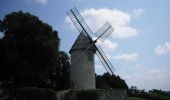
column 107, row 81
column 159, row 92
column 87, row 95
column 151, row 95
column 59, row 78
column 29, row 53
column 134, row 89
column 33, row 93
column 135, row 98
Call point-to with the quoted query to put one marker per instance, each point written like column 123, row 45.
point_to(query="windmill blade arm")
column 74, row 20
column 79, row 22
column 104, row 55
column 104, row 59
column 104, row 65
column 81, row 25
column 104, row 32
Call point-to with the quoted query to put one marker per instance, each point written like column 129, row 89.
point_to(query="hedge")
column 34, row 93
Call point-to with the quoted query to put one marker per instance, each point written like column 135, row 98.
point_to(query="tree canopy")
column 108, row 81
column 29, row 50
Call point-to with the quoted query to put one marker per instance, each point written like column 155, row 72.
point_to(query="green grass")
column 135, row 98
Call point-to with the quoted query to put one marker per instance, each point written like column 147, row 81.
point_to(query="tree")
column 59, row 78
column 28, row 50
column 107, row 81
column 133, row 90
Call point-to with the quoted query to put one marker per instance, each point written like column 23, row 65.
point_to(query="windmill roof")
column 82, row 42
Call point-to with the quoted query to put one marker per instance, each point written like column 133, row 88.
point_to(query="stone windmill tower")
column 82, row 72
column 82, row 69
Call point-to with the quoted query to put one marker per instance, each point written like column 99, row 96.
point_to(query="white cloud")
column 138, row 12
column 127, row 57
column 163, row 49
column 108, row 45
column 41, row 1
column 120, row 20
column 146, row 79
column 124, row 32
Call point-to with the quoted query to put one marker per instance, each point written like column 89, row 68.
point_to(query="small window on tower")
column 90, row 56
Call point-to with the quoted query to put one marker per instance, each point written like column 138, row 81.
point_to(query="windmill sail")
column 104, row 32
column 101, row 34
column 79, row 21
column 81, row 25
column 105, row 61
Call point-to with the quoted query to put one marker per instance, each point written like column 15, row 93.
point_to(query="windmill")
column 82, row 72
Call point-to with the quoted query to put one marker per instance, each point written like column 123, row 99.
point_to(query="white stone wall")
column 82, row 72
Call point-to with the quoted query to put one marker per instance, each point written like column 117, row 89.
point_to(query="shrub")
column 33, row 93
column 87, row 95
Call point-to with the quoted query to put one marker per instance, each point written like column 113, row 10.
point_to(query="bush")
column 87, row 95
column 149, row 96
column 33, row 93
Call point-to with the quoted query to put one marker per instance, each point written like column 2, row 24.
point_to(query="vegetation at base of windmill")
column 135, row 98
column 151, row 95
column 33, row 93
column 60, row 76
column 87, row 95
column 29, row 54
column 108, row 81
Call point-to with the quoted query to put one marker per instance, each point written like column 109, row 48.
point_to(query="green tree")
column 28, row 50
column 107, row 81
column 133, row 90
column 59, row 77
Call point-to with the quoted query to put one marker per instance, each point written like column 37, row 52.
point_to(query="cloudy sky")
column 139, row 48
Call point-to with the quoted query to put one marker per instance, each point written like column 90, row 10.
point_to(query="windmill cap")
column 82, row 42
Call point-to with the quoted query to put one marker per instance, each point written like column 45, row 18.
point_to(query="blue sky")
column 139, row 48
